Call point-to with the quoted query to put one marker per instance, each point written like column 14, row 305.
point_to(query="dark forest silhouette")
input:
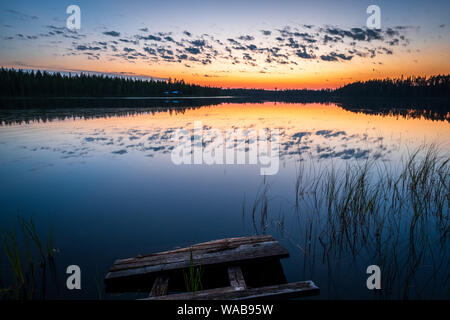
column 410, row 87
column 20, row 83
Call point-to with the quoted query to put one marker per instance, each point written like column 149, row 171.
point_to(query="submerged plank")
column 160, row 287
column 209, row 253
column 282, row 291
column 236, row 278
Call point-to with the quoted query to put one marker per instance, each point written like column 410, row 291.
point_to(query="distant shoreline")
column 124, row 98
column 249, row 97
column 20, row 84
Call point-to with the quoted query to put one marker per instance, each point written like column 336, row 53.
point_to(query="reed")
column 193, row 277
column 28, row 262
column 396, row 216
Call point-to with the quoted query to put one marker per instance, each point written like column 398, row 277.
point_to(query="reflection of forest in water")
column 16, row 111
column 153, row 139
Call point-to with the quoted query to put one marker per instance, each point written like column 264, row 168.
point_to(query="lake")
column 105, row 184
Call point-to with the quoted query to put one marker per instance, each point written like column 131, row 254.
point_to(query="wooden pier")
column 234, row 268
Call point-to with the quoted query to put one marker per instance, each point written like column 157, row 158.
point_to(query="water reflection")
column 105, row 180
column 364, row 214
column 429, row 109
column 307, row 131
column 16, row 111
column 152, row 137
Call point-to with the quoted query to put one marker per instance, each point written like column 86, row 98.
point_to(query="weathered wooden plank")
column 160, row 287
column 274, row 247
column 236, row 277
column 239, row 250
column 241, row 254
column 210, row 246
column 205, row 245
column 282, row 291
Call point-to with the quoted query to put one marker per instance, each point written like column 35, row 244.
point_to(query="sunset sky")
column 253, row 44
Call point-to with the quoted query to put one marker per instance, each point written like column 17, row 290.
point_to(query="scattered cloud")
column 112, row 33
column 20, row 15
column 266, row 50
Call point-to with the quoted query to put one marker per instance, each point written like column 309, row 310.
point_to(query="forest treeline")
column 26, row 83
column 410, row 87
column 20, row 83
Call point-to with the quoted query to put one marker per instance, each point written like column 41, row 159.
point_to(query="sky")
column 251, row 44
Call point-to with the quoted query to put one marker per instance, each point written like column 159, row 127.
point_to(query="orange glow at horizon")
column 308, row 74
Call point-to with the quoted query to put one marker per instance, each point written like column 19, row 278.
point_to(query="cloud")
column 163, row 51
column 84, row 48
column 360, row 34
column 394, row 42
column 21, row 16
column 198, row 43
column 149, row 37
column 193, row 50
column 232, row 41
column 150, row 51
column 247, row 38
column 327, row 39
column 112, row 33
column 287, row 46
column 127, row 40
column 333, row 56
column 304, row 55
column 386, row 50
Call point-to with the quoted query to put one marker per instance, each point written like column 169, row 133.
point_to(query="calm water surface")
column 108, row 189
